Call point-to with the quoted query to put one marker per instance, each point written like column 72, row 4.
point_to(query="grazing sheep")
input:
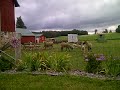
column 66, row 45
column 48, row 44
column 76, row 46
column 86, row 47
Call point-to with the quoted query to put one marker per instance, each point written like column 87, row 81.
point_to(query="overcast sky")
column 68, row 14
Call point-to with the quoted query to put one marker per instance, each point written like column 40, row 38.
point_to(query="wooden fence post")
column 18, row 48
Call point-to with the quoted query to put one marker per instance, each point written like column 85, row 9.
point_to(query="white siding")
column 72, row 37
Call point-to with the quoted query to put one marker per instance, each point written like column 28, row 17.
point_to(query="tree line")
column 52, row 34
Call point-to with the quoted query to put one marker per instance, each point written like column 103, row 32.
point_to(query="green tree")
column 106, row 31
column 118, row 29
column 95, row 31
column 20, row 23
column 110, row 31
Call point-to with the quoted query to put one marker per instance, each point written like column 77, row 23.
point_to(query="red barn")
column 27, row 36
column 27, row 39
column 8, row 15
column 39, row 38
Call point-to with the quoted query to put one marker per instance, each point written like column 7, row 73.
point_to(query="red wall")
column 7, row 15
column 42, row 38
column 27, row 39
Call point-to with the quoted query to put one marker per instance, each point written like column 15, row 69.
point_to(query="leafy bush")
column 5, row 64
column 60, row 62
column 31, row 61
column 118, row 29
column 93, row 64
column 20, row 65
column 44, row 61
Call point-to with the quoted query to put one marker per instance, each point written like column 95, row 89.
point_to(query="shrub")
column 5, row 64
column 61, row 62
column 93, row 64
column 31, row 61
column 118, row 29
column 44, row 61
column 20, row 65
column 113, row 66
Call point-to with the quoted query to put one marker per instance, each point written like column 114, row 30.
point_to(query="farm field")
column 108, row 48
column 27, row 81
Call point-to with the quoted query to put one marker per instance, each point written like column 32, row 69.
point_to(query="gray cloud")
column 39, row 14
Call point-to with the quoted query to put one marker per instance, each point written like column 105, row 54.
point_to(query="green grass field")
column 26, row 81
column 45, row 82
column 111, row 47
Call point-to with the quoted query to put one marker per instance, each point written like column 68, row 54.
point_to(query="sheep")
column 86, row 47
column 76, row 46
column 48, row 44
column 67, row 46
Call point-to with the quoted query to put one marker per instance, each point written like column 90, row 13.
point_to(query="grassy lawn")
column 46, row 82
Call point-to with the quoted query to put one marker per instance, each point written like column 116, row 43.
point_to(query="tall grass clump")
column 113, row 66
column 44, row 61
column 60, row 62
column 34, row 61
column 5, row 63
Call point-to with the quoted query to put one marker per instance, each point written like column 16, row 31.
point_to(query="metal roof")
column 26, row 32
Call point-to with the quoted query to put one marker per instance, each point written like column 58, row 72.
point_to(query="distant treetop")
column 118, row 29
column 20, row 23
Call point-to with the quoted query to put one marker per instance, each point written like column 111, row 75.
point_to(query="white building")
column 72, row 38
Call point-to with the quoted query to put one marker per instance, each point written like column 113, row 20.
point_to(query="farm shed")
column 72, row 38
column 39, row 38
column 27, row 36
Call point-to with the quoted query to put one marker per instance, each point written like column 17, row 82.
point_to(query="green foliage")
column 52, row 34
column 118, row 29
column 20, row 65
column 113, row 66
column 60, row 62
column 5, row 64
column 93, row 65
column 96, row 31
column 105, row 31
column 20, row 23
column 110, row 31
column 31, row 61
column 44, row 61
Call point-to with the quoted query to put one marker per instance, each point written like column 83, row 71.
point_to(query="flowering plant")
column 99, row 57
column 94, row 63
column 15, row 42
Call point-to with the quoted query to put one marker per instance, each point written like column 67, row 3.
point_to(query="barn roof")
column 26, row 32
column 37, row 35
column 16, row 3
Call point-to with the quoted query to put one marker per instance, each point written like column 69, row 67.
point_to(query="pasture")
column 110, row 48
